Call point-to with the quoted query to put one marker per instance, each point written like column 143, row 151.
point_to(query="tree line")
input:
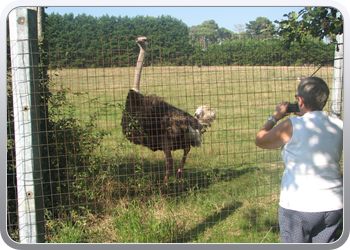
column 109, row 41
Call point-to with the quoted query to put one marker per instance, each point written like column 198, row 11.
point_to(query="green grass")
column 231, row 188
column 241, row 207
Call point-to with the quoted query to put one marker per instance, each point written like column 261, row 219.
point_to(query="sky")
column 226, row 17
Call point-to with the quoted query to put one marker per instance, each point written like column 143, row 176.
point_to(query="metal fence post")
column 337, row 78
column 26, row 111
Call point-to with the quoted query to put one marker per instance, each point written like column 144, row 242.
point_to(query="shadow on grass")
column 148, row 177
column 207, row 176
column 209, row 222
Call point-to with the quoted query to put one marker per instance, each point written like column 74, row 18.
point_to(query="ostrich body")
column 150, row 121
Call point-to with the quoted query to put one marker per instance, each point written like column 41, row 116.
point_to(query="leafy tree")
column 224, row 34
column 311, row 21
column 261, row 26
column 206, row 33
column 192, row 31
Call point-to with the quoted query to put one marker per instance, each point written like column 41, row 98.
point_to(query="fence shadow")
column 208, row 176
column 149, row 177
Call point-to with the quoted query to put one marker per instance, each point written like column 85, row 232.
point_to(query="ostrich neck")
column 138, row 70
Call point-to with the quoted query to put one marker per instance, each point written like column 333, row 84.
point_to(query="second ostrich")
column 158, row 125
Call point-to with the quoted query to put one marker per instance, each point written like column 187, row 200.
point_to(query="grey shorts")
column 306, row 227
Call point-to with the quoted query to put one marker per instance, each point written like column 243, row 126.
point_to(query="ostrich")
column 152, row 122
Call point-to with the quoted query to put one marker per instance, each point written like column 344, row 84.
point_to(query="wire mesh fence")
column 98, row 186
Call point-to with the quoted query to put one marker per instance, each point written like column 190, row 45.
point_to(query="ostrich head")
column 205, row 115
column 142, row 43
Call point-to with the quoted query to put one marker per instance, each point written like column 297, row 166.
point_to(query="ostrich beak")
column 141, row 40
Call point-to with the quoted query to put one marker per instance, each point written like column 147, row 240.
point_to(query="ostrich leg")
column 169, row 163
column 179, row 171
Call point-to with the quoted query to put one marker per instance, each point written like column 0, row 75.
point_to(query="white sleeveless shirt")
column 312, row 180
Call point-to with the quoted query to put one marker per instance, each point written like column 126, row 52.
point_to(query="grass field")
column 231, row 187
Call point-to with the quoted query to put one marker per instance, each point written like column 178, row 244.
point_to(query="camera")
column 293, row 107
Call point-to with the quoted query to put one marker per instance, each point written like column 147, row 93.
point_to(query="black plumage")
column 147, row 119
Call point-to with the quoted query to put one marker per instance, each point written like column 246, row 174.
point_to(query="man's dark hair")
column 314, row 92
